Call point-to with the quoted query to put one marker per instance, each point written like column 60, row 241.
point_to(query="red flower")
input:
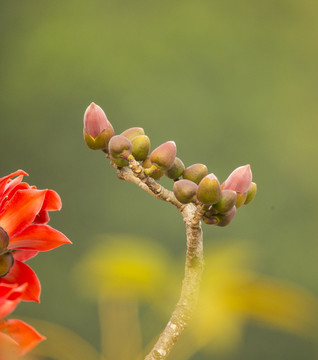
column 15, row 334
column 23, row 219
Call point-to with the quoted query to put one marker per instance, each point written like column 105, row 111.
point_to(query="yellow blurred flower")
column 123, row 266
column 231, row 294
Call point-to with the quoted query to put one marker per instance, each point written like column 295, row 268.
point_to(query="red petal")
column 5, row 291
column 21, row 210
column 25, row 335
column 38, row 237
column 10, row 292
column 8, row 307
column 20, row 274
column 9, row 187
column 10, row 296
column 5, row 179
column 21, row 186
column 42, row 217
column 8, row 347
column 24, row 255
column 52, row 201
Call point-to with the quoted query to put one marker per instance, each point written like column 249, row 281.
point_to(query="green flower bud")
column 140, row 147
column 133, row 132
column 6, row 262
column 195, row 172
column 176, row 169
column 4, row 239
column 163, row 156
column 225, row 219
column 251, row 192
column 119, row 149
column 240, row 200
column 152, row 170
column 209, row 190
column 146, row 164
column 185, row 190
column 227, row 201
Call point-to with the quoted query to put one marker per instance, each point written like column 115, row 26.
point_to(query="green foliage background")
column 232, row 82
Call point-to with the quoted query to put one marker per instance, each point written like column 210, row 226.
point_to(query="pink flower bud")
column 163, row 156
column 97, row 129
column 95, row 120
column 239, row 180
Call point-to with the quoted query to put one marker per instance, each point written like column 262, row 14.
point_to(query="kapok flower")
column 15, row 334
column 24, row 230
column 239, row 180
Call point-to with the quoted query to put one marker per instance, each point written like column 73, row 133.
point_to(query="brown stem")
column 194, row 258
column 190, row 287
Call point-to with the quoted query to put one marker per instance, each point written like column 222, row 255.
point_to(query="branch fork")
column 194, row 263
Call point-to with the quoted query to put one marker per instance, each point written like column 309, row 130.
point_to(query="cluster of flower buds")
column 197, row 186
column 219, row 202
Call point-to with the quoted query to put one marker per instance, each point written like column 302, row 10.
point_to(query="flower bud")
column 240, row 199
column 163, row 156
column 239, row 180
column 176, row 169
column 195, row 172
column 119, row 149
column 133, row 132
column 140, row 147
column 227, row 201
column 4, row 239
column 225, row 219
column 152, row 170
column 251, row 192
column 97, row 129
column 185, row 190
column 209, row 190
column 6, row 262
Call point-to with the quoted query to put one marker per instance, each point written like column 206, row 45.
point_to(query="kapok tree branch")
column 194, row 258
column 217, row 204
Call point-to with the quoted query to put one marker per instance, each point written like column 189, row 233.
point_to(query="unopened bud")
column 227, row 201
column 209, row 190
column 225, row 219
column 119, row 149
column 163, row 156
column 195, row 172
column 176, row 169
column 140, row 147
column 185, row 190
column 97, row 129
column 251, row 192
column 239, row 180
column 4, row 239
column 152, row 170
column 6, row 263
column 133, row 132
column 240, row 200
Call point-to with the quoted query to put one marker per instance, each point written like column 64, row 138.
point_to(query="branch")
column 135, row 173
column 194, row 258
column 190, row 287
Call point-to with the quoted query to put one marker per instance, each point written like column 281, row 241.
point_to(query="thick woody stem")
column 190, row 287
column 194, row 258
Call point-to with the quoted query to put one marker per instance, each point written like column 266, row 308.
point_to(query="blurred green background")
column 231, row 82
